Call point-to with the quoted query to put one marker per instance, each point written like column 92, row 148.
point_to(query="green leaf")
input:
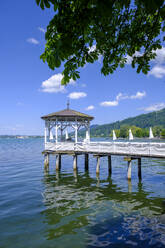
column 37, row 1
column 47, row 4
column 63, row 82
column 42, row 4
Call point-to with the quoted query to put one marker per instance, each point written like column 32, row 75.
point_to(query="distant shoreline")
column 21, row 136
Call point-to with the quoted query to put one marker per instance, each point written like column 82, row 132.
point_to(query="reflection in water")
column 98, row 213
column 75, row 173
column 129, row 186
column 98, row 179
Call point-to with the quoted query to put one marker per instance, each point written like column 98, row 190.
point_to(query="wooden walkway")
column 130, row 151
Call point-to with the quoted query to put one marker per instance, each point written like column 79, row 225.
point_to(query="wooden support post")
column 129, row 170
column 86, row 161
column 46, row 160
column 98, row 164
column 75, row 162
column 139, row 169
column 109, row 165
column 58, row 162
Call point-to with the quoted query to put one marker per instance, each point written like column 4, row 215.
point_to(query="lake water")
column 66, row 209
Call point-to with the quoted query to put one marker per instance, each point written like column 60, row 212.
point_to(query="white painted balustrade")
column 143, row 149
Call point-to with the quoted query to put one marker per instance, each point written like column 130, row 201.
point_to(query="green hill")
column 152, row 119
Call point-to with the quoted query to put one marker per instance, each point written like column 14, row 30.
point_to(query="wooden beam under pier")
column 86, row 161
column 46, row 160
column 139, row 169
column 75, row 162
column 58, row 162
column 129, row 170
column 129, row 159
column 109, row 165
column 98, row 165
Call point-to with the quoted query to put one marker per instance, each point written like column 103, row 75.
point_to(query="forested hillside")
column 153, row 119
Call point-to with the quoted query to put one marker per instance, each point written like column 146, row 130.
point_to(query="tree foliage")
column 112, row 28
column 163, row 133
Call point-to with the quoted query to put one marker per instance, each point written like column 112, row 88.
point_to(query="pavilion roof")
column 68, row 114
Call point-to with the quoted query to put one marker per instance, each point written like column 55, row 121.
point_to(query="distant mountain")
column 156, row 118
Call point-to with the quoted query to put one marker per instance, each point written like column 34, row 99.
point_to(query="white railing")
column 117, row 148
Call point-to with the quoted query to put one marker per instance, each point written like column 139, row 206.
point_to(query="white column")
column 48, row 131
column 45, row 132
column 76, row 133
column 56, row 133
column 88, row 132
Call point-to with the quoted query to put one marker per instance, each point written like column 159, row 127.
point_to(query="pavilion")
column 64, row 119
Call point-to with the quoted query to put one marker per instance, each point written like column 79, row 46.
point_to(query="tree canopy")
column 82, row 31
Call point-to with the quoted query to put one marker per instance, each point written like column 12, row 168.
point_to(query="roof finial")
column 68, row 104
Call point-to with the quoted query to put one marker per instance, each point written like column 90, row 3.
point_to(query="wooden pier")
column 59, row 144
column 129, row 150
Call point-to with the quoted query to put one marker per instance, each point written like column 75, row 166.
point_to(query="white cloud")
column 138, row 95
column 159, row 59
column 160, row 56
column 53, row 84
column 83, row 85
column 43, row 30
column 90, row 107
column 77, row 95
column 154, row 107
column 158, row 71
column 109, row 103
column 92, row 48
column 71, row 82
column 121, row 96
column 129, row 58
column 33, row 41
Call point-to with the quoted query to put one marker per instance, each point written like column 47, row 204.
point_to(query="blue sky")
column 29, row 89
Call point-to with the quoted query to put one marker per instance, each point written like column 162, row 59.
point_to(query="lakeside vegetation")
column 138, row 132
column 139, row 125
